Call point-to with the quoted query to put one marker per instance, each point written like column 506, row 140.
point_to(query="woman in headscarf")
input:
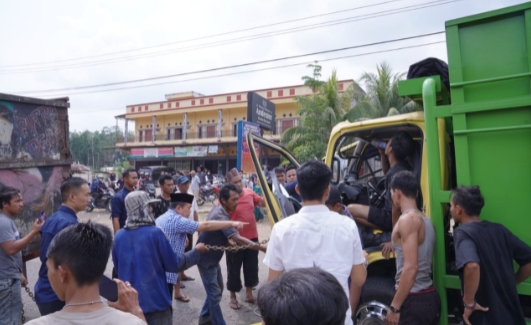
column 142, row 255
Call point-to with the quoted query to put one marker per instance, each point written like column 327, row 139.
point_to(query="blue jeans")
column 213, row 283
column 10, row 302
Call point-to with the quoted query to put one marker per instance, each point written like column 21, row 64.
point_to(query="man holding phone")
column 75, row 195
column 11, row 277
column 76, row 259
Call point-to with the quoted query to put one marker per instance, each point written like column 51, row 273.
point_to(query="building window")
column 169, row 105
column 292, row 92
column 211, row 131
column 199, row 132
column 238, row 97
column 340, row 86
column 145, row 108
column 229, row 98
column 211, row 100
column 269, row 94
column 193, row 102
column 176, row 104
column 161, row 106
column 140, row 134
column 132, row 109
column 280, row 93
column 201, row 101
column 234, row 129
column 174, row 134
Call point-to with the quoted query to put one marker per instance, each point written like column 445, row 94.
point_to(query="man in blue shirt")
column 118, row 211
column 142, row 255
column 75, row 194
column 176, row 226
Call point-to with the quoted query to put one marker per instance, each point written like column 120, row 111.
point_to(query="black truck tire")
column 378, row 293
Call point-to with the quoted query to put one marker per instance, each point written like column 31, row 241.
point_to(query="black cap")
column 334, row 196
column 182, row 197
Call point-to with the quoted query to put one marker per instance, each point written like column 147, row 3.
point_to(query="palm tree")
column 381, row 97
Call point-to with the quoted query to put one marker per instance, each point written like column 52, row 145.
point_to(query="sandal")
column 183, row 298
column 234, row 304
column 182, row 286
column 251, row 301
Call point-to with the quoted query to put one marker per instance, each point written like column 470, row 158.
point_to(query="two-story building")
column 189, row 129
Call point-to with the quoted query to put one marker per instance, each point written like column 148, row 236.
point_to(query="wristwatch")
column 394, row 310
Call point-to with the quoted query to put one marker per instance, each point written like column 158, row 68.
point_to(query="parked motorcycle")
column 101, row 202
column 207, row 193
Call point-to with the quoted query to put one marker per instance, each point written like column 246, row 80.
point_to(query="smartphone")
column 42, row 216
column 108, row 289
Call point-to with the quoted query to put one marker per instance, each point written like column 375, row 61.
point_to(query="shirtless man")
column 415, row 301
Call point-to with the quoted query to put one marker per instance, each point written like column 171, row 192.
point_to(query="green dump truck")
column 474, row 130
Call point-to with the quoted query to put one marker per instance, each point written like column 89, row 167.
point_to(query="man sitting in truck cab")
column 393, row 161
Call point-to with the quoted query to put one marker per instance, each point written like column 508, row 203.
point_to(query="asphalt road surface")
column 183, row 313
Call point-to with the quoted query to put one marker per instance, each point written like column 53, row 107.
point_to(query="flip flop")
column 234, row 304
column 188, row 278
column 183, row 298
column 251, row 301
column 182, row 286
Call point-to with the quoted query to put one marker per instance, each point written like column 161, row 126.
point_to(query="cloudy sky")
column 58, row 48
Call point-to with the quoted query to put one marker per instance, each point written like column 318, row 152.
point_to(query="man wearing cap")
column 176, row 226
column 247, row 200
column 142, row 255
column 183, row 186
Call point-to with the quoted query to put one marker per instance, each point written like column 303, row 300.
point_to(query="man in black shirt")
column 484, row 254
column 166, row 188
column 393, row 161
column 208, row 264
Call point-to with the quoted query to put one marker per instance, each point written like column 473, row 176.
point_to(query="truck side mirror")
column 336, row 171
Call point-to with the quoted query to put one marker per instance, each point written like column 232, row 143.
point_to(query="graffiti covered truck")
column 34, row 156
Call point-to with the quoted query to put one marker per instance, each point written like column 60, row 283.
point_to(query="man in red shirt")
column 248, row 258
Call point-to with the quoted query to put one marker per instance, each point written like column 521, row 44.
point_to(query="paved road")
column 184, row 313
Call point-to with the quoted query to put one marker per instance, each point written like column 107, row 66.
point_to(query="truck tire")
column 378, row 293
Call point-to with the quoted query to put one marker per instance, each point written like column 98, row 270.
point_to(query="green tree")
column 319, row 114
column 380, row 97
column 96, row 149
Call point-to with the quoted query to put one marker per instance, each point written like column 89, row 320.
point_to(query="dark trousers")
column 421, row 309
column 249, row 259
column 159, row 317
column 190, row 243
column 50, row 307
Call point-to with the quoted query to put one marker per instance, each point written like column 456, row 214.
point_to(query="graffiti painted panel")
column 31, row 132
column 34, row 156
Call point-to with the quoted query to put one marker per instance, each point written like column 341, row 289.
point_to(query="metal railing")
column 189, row 136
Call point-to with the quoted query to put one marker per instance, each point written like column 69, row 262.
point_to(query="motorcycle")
column 101, row 202
column 150, row 189
column 207, row 193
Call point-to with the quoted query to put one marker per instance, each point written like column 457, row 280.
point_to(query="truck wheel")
column 378, row 294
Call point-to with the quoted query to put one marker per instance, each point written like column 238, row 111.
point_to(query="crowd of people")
column 315, row 258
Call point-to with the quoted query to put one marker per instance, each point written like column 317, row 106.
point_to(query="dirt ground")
column 184, row 313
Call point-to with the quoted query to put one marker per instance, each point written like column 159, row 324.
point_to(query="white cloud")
column 59, row 30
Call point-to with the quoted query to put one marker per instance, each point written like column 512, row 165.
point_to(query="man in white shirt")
column 183, row 186
column 196, row 183
column 317, row 237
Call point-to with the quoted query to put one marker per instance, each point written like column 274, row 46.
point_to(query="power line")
column 230, row 67
column 240, row 39
column 207, row 36
column 245, row 72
